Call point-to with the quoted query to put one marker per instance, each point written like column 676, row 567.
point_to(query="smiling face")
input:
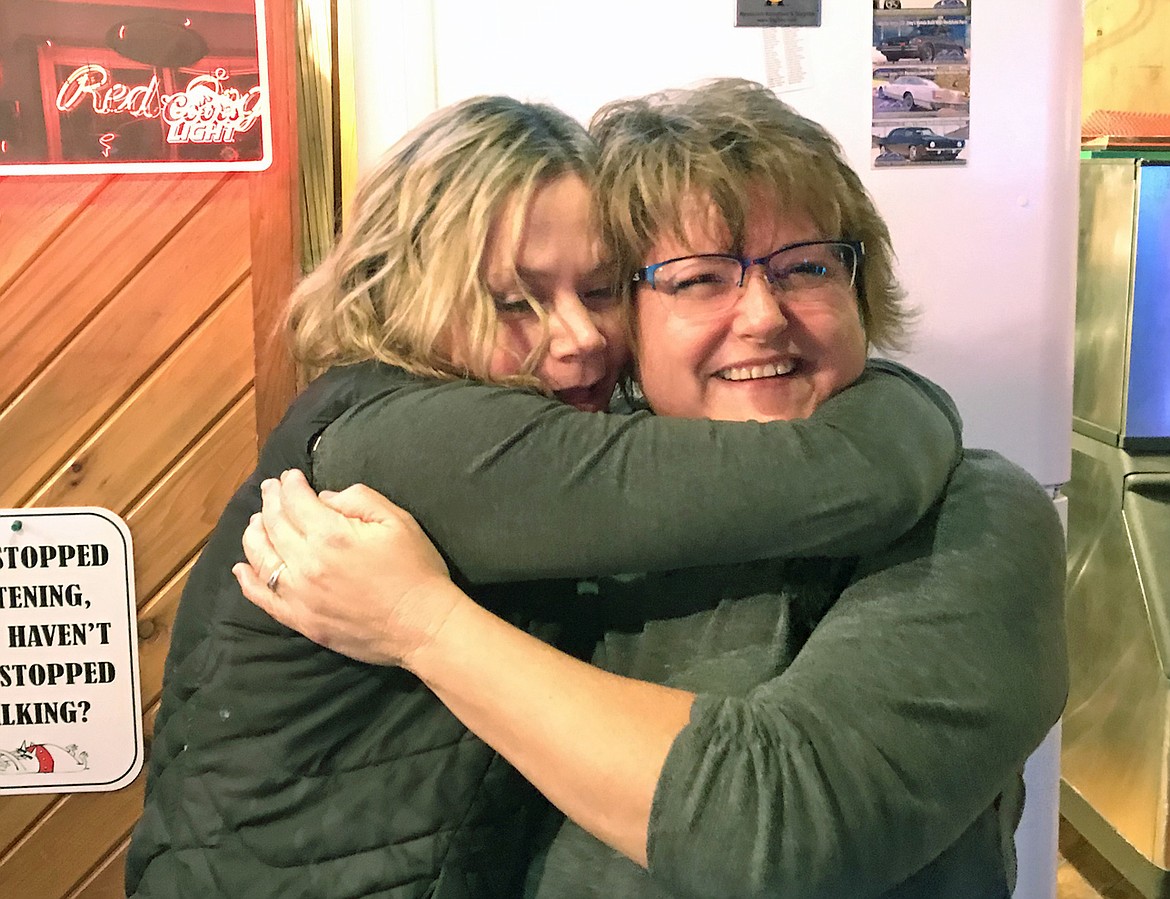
column 556, row 261
column 771, row 355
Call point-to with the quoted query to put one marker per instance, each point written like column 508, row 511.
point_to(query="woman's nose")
column 573, row 330
column 758, row 309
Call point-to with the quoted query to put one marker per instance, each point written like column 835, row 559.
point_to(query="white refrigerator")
column 986, row 240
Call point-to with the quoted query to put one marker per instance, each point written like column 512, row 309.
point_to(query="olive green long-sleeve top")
column 859, row 731
column 514, row 486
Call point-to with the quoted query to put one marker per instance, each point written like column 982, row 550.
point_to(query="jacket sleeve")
column 916, row 699
column 512, row 485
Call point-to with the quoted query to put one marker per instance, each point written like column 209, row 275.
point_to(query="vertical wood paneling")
column 316, row 118
column 275, row 232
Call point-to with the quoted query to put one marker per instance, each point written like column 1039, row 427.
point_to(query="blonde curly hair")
column 408, row 266
column 721, row 140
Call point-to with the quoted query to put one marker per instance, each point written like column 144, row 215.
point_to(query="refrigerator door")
column 1121, row 388
column 1147, row 408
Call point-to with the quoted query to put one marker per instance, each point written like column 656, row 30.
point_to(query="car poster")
column 921, row 82
column 145, row 86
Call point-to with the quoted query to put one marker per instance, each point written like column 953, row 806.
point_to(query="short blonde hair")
column 409, row 263
column 720, row 140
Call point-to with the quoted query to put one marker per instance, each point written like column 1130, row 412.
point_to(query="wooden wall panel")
column 191, row 425
column 72, row 278
column 34, row 209
column 18, row 813
column 138, row 319
column 275, row 227
column 142, row 438
column 1127, row 67
column 107, row 819
column 142, row 323
column 106, row 880
column 22, row 813
column 155, row 619
column 181, row 511
column 38, row 866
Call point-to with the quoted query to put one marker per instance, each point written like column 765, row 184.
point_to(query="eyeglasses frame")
column 646, row 274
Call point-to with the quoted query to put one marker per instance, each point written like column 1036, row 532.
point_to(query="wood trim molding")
column 275, row 227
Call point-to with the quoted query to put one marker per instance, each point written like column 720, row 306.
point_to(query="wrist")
column 445, row 603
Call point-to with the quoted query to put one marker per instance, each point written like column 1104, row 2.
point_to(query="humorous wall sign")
column 70, row 707
column 168, row 85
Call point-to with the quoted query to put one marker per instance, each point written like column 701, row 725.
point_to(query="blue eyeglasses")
column 710, row 283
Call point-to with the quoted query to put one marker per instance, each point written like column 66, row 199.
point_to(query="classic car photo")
column 915, row 92
column 919, row 143
column 927, row 43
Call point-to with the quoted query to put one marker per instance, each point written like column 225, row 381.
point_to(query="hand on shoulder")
column 350, row 570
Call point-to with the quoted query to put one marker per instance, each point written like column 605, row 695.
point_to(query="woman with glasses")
column 820, row 727
column 467, row 327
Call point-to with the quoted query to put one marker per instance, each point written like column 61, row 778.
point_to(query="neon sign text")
column 142, row 101
column 204, row 112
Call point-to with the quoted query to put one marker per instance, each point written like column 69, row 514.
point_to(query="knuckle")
column 311, row 570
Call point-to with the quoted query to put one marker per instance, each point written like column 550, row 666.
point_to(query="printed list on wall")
column 70, row 706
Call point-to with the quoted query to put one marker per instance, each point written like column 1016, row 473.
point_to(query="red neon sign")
column 204, row 112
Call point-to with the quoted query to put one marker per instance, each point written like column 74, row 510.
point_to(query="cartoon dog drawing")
column 42, row 758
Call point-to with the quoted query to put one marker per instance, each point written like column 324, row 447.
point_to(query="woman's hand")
column 360, row 577
column 363, row 579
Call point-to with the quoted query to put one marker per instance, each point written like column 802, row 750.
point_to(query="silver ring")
column 274, row 578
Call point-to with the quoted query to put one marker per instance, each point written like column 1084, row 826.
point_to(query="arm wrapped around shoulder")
column 909, row 710
column 575, row 494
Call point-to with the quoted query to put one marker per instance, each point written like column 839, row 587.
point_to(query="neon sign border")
column 251, row 165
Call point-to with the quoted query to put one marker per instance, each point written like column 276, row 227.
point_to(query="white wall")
column 987, row 251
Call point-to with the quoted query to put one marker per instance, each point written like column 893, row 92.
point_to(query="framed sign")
column 133, row 86
column 778, row 13
column 70, row 706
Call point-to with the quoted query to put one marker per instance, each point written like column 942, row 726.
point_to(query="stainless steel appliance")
column 1115, row 761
